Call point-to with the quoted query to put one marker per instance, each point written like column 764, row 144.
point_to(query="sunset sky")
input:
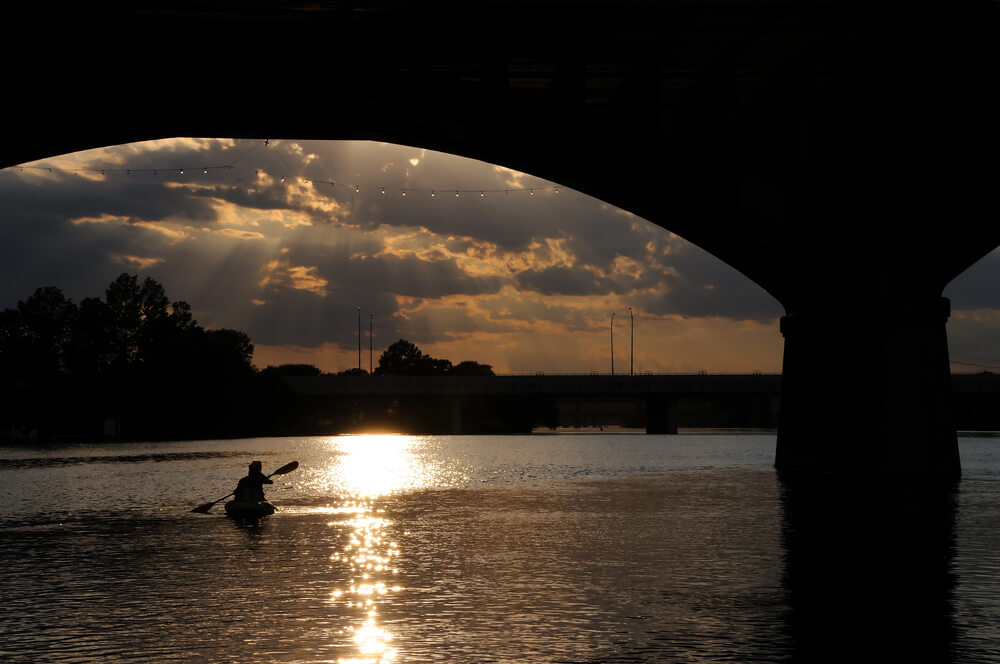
column 284, row 240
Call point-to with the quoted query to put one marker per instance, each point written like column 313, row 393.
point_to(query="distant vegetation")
column 403, row 358
column 135, row 365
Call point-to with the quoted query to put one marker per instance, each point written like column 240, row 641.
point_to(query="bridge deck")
column 526, row 385
column 572, row 385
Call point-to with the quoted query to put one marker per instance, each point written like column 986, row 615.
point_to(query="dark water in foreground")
column 567, row 548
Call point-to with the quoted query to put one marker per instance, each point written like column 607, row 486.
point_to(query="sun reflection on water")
column 366, row 468
column 368, row 558
column 375, row 465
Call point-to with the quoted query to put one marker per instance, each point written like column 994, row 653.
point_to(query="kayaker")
column 250, row 489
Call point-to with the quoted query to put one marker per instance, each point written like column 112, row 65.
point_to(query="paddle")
column 287, row 468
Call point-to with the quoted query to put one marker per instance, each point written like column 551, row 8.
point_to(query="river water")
column 545, row 548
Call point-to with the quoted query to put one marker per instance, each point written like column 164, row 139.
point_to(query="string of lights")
column 431, row 192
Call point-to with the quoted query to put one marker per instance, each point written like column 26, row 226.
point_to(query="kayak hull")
column 247, row 510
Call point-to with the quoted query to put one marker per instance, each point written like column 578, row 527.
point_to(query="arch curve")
column 765, row 133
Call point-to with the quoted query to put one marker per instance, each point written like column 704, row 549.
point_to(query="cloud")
column 408, row 275
column 279, row 274
column 136, row 262
column 285, row 241
column 241, row 234
column 562, row 280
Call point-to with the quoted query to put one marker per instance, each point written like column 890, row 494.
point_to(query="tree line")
column 133, row 364
column 403, row 358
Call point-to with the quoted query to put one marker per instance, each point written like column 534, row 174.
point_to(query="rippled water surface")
column 559, row 548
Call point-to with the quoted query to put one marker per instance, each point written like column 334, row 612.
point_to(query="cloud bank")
column 286, row 240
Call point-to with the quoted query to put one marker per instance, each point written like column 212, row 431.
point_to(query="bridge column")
column 869, row 391
column 661, row 415
column 456, row 415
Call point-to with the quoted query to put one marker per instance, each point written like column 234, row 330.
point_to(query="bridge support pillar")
column 870, row 395
column 661, row 415
column 456, row 415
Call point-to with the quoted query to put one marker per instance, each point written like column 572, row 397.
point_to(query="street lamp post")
column 631, row 344
column 612, row 343
column 359, row 338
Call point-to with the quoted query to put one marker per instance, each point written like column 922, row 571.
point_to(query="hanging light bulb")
column 456, row 194
column 357, row 188
column 531, row 192
column 182, row 171
column 383, row 191
column 433, row 193
column 482, row 194
column 404, row 192
column 206, row 171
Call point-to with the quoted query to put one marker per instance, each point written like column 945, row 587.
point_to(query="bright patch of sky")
column 286, row 240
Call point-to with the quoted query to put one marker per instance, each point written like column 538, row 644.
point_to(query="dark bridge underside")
column 829, row 150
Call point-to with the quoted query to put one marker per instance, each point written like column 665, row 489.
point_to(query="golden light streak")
column 139, row 262
column 364, row 468
column 280, row 273
column 100, row 219
column 238, row 234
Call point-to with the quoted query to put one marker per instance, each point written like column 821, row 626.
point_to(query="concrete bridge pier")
column 661, row 415
column 456, row 416
column 868, row 391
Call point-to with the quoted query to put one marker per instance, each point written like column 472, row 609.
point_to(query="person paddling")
column 250, row 489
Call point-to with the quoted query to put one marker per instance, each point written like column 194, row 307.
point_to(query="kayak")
column 239, row 509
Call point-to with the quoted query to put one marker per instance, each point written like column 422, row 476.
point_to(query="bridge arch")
column 767, row 134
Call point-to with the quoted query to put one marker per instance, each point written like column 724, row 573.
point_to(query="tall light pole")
column 371, row 337
column 359, row 338
column 612, row 343
column 631, row 344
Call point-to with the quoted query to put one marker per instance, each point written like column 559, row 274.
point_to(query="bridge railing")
column 537, row 384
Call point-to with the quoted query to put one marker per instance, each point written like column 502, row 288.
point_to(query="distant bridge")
column 657, row 402
column 471, row 404
column 538, row 385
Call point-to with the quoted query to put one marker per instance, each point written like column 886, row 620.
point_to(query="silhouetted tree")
column 293, row 370
column 131, row 355
column 136, row 358
column 42, row 331
column 471, row 368
column 34, row 342
column 404, row 358
column 90, row 353
column 134, row 315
